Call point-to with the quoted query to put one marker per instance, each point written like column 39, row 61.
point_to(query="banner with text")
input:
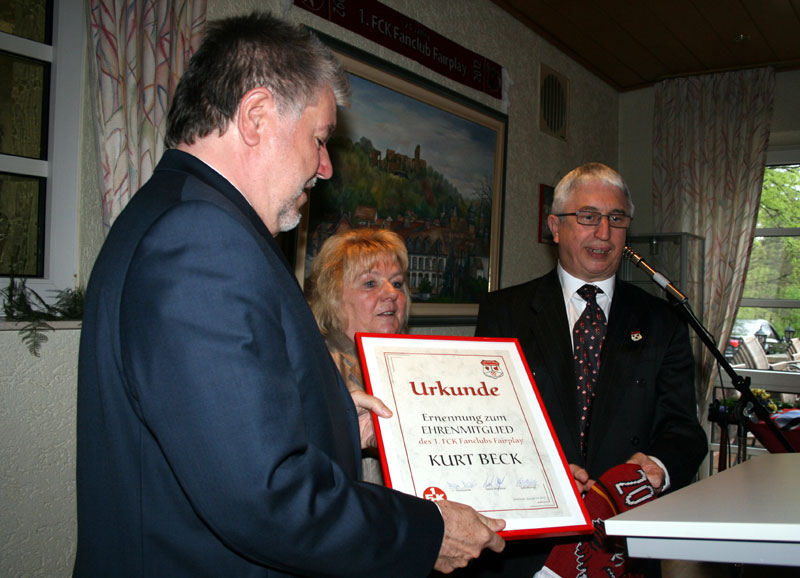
column 408, row 37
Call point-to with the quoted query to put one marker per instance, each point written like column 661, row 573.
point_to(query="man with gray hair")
column 215, row 435
column 612, row 363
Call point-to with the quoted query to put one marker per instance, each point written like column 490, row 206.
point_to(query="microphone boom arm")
column 657, row 277
column 742, row 384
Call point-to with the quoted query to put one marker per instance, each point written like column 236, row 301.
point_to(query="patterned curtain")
column 710, row 143
column 141, row 48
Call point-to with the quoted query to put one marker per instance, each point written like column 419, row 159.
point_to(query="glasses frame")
column 601, row 215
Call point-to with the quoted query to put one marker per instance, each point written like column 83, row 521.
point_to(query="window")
column 772, row 288
column 771, row 298
column 41, row 74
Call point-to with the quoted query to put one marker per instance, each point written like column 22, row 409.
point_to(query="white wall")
column 785, row 133
column 37, row 453
column 636, row 153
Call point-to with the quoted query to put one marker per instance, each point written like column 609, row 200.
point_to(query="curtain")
column 710, row 142
column 140, row 48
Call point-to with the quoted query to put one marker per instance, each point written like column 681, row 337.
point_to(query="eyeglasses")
column 593, row 218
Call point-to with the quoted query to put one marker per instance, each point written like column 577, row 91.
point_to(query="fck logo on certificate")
column 491, row 368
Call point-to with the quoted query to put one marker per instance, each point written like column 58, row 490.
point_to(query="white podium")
column 748, row 514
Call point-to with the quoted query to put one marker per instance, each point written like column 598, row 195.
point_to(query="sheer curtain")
column 141, row 48
column 710, row 142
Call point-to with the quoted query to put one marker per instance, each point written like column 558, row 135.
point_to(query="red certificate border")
column 584, row 528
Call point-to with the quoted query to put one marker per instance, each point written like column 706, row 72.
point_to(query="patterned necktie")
column 588, row 335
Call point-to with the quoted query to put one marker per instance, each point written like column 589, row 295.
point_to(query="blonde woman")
column 358, row 282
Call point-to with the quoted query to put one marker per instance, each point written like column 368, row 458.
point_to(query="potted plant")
column 23, row 304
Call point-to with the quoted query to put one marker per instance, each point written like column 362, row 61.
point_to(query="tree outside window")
column 772, row 288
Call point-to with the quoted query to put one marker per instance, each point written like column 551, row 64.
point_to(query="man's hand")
column 366, row 403
column 655, row 475
column 466, row 534
column 582, row 479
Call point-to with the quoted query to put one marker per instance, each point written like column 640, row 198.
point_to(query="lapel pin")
column 636, row 336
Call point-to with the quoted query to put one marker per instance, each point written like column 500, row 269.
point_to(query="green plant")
column 23, row 304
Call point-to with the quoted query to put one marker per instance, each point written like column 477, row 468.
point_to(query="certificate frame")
column 469, row 425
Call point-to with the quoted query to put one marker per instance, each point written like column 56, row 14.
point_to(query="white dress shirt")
column 576, row 304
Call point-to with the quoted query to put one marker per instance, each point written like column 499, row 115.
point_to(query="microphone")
column 659, row 279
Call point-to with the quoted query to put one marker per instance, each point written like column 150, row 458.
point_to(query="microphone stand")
column 751, row 405
column 748, row 403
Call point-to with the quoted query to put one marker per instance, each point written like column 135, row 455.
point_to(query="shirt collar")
column 570, row 284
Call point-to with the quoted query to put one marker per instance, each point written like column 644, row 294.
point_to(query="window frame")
column 784, row 156
column 61, row 168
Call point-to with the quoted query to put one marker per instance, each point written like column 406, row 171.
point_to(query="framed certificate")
column 469, row 426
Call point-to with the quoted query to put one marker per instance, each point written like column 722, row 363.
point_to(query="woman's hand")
column 366, row 403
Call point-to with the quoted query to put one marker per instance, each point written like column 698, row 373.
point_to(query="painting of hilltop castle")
column 431, row 171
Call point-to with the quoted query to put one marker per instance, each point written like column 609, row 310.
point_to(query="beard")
column 289, row 214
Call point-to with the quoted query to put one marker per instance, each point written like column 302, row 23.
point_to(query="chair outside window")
column 754, row 357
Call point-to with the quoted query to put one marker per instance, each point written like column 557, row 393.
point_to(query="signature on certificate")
column 527, row 483
column 460, row 486
column 493, row 482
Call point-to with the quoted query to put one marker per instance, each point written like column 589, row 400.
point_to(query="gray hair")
column 586, row 173
column 241, row 53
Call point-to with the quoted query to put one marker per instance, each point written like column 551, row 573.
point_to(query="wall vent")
column 553, row 99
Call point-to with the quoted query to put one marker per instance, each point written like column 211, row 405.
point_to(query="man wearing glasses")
column 612, row 363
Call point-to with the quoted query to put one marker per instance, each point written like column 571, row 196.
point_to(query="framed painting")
column 425, row 163
column 545, row 205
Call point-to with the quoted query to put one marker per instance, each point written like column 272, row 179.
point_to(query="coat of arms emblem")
column 491, row 368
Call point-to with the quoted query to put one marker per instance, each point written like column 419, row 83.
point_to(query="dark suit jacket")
column 215, row 436
column 645, row 399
